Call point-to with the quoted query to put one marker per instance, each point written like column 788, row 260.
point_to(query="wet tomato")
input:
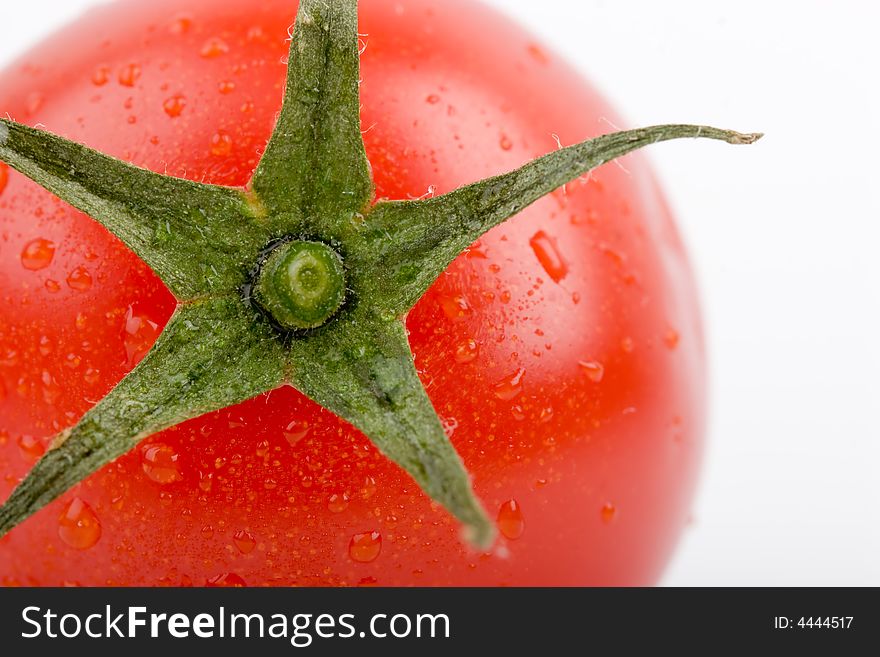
column 563, row 350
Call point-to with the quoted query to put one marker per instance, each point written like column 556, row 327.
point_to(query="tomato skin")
column 563, row 350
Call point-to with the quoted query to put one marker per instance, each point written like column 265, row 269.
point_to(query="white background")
column 785, row 236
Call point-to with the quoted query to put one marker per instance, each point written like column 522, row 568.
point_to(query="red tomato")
column 564, row 350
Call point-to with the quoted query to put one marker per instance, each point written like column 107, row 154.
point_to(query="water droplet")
column 548, row 255
column 101, row 76
column 510, row 520
column 538, row 54
column 4, row 176
column 433, row 99
column 466, row 351
column 594, row 369
column 34, row 102
column 180, row 25
column 244, row 541
column 226, row 581
column 52, row 285
column 296, row 431
column 206, row 481
column 256, row 33
column 92, row 375
column 450, row 424
column 226, row 87
column 78, row 525
column 129, row 75
column 369, row 488
column 262, row 448
column 214, row 47
column 37, row 254
column 671, row 338
column 505, row 143
column 590, row 218
column 79, row 279
column 364, row 548
column 337, row 502
column 613, row 254
column 455, row 307
column 31, row 448
column 160, row 463
column 368, row 582
column 72, row 361
column 221, row 143
column 45, row 345
column 139, row 334
column 511, row 386
column 174, row 106
column 627, row 345
column 608, row 512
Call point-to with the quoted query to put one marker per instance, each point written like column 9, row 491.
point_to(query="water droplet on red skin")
column 455, row 307
column 37, row 254
column 129, row 75
column 160, row 463
column 608, row 512
column 244, row 541
column 221, row 143
column 79, row 279
column 174, row 105
column 214, row 47
column 548, row 254
column 181, row 25
column 466, row 351
column 30, row 448
column 510, row 520
column 101, row 76
column 594, row 370
column 337, row 502
column 296, row 431
column 364, row 548
column 226, row 580
column 138, row 335
column 78, row 526
column 510, row 387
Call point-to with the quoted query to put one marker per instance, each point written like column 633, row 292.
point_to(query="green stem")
column 301, row 285
column 315, row 166
column 367, row 377
column 415, row 241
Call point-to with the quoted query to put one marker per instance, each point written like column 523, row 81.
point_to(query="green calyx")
column 301, row 285
column 209, row 245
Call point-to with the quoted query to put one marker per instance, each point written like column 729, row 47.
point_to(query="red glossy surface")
column 563, row 350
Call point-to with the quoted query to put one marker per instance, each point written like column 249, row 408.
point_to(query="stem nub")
column 301, row 285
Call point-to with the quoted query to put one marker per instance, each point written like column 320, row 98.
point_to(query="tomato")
column 563, row 350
